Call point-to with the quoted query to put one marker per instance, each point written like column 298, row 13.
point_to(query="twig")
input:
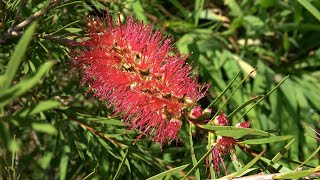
column 54, row 38
column 16, row 15
column 15, row 30
column 270, row 176
column 96, row 132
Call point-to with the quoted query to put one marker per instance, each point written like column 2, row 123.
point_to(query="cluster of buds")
column 222, row 145
column 197, row 113
column 140, row 75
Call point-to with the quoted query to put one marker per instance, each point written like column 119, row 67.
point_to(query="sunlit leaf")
column 168, row 173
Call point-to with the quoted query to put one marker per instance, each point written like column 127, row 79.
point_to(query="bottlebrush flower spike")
column 139, row 74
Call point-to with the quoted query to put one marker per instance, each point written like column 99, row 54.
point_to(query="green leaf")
column 139, row 11
column 199, row 162
column 17, row 57
column 14, row 146
column 247, row 166
column 63, row 166
column 225, row 90
column 168, row 173
column 268, row 94
column 253, row 21
column 235, row 132
column 45, row 161
column 310, row 8
column 280, row 168
column 235, row 161
column 235, row 9
column 193, row 155
column 240, row 175
column 227, row 100
column 180, row 7
column 5, row 133
column 266, row 140
column 73, row 30
column 281, row 153
column 121, row 164
column 37, row 108
column 252, row 100
column 267, row 3
column 109, row 121
column 90, row 175
column 197, row 9
column 44, row 127
column 8, row 95
column 296, row 174
column 64, row 27
column 313, row 154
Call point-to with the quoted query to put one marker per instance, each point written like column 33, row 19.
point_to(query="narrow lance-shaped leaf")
column 17, row 57
column 121, row 164
column 168, row 173
column 252, row 100
column 37, row 108
column 247, row 166
column 238, row 86
column 272, row 90
column 266, row 140
column 44, row 127
column 235, row 132
column 313, row 10
column 193, row 156
column 297, row 174
column 199, row 162
column 281, row 153
column 8, row 95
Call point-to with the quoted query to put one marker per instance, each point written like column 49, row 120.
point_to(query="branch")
column 14, row 31
column 271, row 176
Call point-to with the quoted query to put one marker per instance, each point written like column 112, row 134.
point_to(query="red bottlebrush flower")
column 136, row 71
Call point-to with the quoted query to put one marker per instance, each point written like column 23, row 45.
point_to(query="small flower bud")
column 193, row 128
column 188, row 101
column 195, row 113
column 221, row 120
column 243, row 124
column 206, row 113
column 212, row 139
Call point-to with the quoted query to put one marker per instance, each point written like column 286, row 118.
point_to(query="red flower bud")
column 206, row 113
column 221, row 120
column 195, row 113
column 243, row 124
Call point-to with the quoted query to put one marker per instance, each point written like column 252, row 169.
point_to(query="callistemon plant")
column 140, row 75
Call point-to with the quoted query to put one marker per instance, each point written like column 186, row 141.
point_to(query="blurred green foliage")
column 49, row 128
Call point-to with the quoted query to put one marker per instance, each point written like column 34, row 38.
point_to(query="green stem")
column 263, row 97
column 225, row 90
column 199, row 162
column 243, row 80
column 193, row 156
column 254, row 99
